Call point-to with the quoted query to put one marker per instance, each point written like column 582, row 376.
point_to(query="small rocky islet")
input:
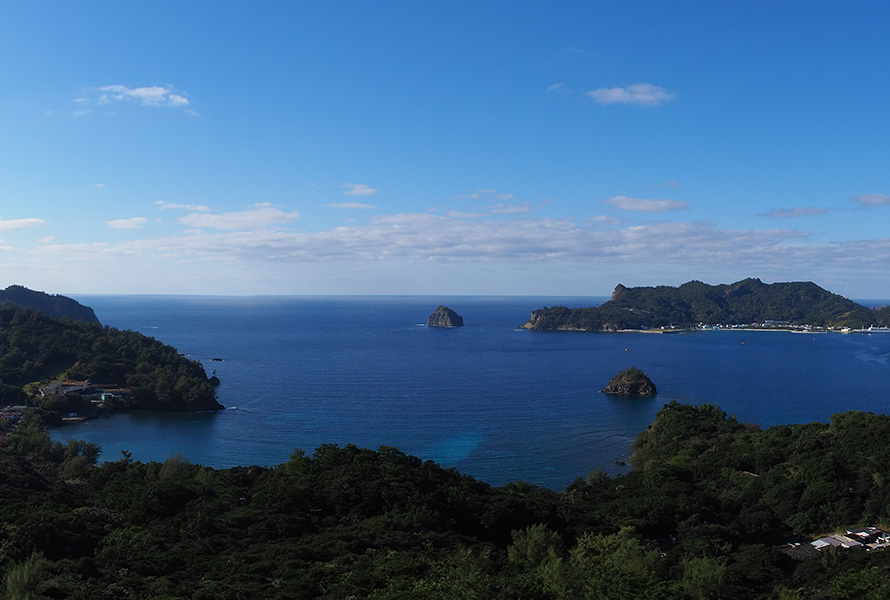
column 445, row 317
column 631, row 382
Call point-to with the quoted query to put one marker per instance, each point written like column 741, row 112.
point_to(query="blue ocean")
column 491, row 400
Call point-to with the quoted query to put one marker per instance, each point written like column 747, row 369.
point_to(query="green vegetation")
column 35, row 347
column 703, row 514
column 52, row 305
column 631, row 382
column 744, row 302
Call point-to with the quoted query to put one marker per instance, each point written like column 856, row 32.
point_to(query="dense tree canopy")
column 35, row 347
column 704, row 513
column 52, row 305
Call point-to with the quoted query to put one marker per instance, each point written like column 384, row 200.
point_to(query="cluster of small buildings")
column 858, row 538
column 773, row 324
column 769, row 324
column 96, row 392
column 12, row 414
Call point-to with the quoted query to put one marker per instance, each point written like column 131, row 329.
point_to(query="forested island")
column 63, row 366
column 712, row 508
column 749, row 301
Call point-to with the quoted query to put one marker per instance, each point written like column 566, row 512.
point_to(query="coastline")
column 688, row 330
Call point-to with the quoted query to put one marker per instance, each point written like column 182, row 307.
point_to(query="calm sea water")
column 489, row 399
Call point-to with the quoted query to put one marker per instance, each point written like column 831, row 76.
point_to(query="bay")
column 489, row 399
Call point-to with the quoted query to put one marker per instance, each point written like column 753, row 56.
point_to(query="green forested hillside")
column 743, row 302
column 35, row 347
column 52, row 305
column 706, row 512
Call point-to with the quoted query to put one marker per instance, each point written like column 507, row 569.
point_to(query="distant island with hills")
column 749, row 302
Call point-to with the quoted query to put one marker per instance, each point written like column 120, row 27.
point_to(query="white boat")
column 874, row 329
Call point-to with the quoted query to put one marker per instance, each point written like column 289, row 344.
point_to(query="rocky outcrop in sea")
column 445, row 317
column 631, row 382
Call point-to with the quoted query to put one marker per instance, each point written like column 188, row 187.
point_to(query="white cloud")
column 147, row 96
column 192, row 207
column 99, row 185
column 607, row 220
column 263, row 215
column 642, row 94
column 646, row 204
column 161, row 96
column 792, row 213
column 557, row 87
column 356, row 205
column 871, row 200
column 133, row 223
column 357, row 189
column 10, row 224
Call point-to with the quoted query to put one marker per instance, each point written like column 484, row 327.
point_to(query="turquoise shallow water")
column 493, row 401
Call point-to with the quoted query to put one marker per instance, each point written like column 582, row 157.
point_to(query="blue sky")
column 442, row 148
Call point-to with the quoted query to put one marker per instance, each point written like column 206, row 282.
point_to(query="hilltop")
column 53, row 305
column 744, row 302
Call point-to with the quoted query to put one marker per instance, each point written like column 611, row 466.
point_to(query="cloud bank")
column 413, row 246
column 425, row 237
